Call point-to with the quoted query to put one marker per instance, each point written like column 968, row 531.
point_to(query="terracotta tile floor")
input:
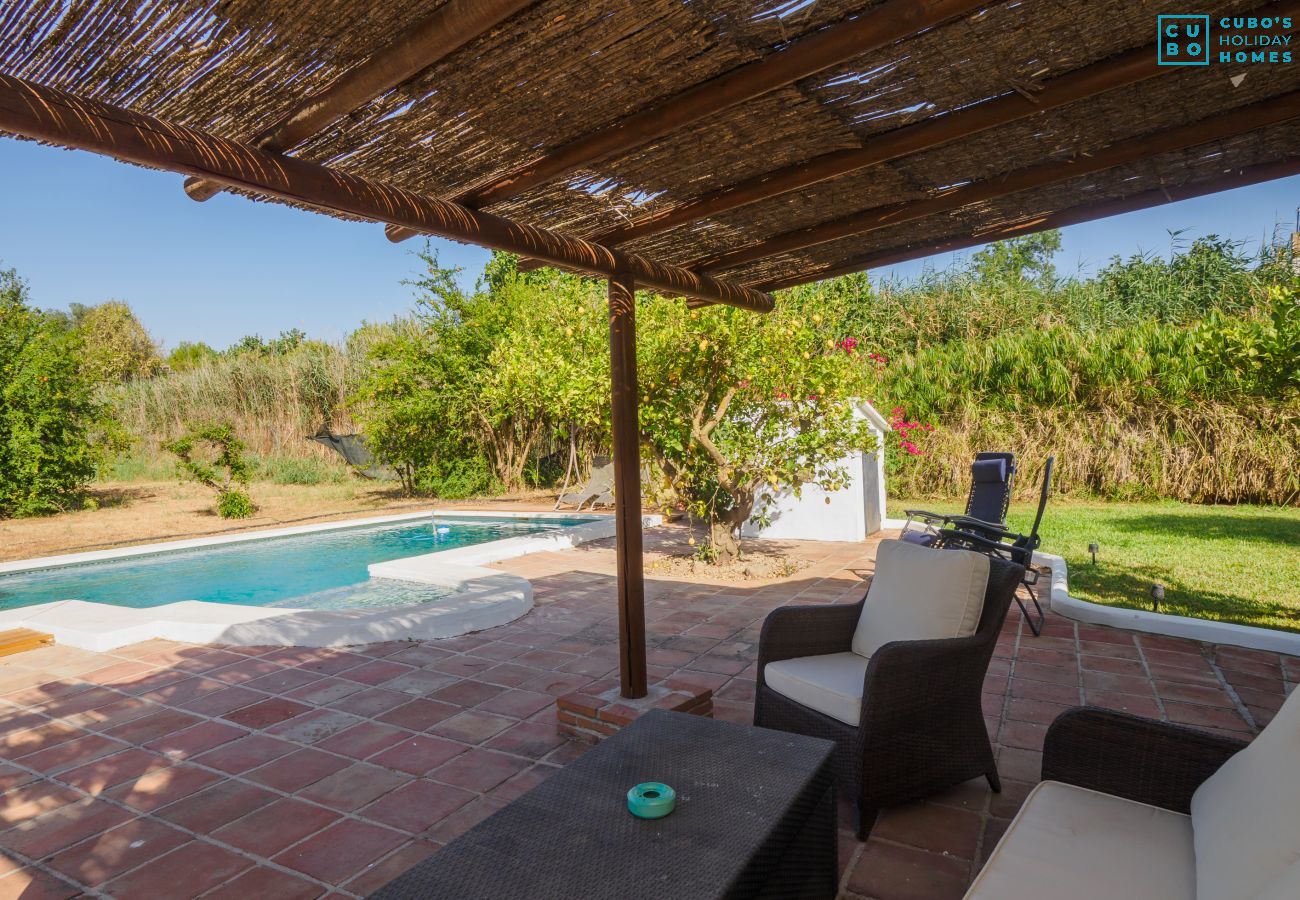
column 172, row 770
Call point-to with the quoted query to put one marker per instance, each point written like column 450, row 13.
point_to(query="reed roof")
column 561, row 69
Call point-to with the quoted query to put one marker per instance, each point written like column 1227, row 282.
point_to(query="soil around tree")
column 749, row 566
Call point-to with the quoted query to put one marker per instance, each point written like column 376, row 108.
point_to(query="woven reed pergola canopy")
column 713, row 149
column 616, row 121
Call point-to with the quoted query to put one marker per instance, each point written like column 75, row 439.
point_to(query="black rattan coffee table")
column 755, row 817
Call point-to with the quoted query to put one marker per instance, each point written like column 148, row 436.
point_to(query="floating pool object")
column 651, row 800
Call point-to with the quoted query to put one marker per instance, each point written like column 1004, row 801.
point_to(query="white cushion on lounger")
column 1070, row 843
column 1247, row 814
column 830, row 684
column 918, row 593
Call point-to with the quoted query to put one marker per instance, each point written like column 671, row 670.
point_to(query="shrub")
column 226, row 472
column 486, row 374
column 735, row 405
column 54, row 431
column 235, row 504
column 115, row 346
column 292, row 470
column 189, row 356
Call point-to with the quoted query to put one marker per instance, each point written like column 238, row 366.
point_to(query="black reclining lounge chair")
column 1003, row 544
column 992, row 475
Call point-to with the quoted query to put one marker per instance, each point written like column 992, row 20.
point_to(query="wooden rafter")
column 1118, row 71
column 450, row 27
column 46, row 114
column 1282, row 168
column 878, row 27
column 1127, row 68
column 1226, row 125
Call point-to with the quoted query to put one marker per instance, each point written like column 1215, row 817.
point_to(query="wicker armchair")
column 1132, row 757
column 921, row 728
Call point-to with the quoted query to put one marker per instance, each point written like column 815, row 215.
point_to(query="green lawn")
column 1231, row 563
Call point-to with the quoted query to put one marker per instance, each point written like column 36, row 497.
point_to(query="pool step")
column 19, row 640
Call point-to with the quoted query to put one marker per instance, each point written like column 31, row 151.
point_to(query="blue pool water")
column 320, row 570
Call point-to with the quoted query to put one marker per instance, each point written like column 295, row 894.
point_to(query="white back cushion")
column 919, row 593
column 1246, row 816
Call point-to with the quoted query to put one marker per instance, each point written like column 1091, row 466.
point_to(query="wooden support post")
column 627, row 484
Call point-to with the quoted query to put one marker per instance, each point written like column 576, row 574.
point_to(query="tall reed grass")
column 1205, row 453
column 274, row 401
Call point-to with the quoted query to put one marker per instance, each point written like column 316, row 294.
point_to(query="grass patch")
column 1228, row 563
column 289, row 470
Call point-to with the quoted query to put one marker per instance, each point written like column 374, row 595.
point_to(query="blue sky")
column 83, row 228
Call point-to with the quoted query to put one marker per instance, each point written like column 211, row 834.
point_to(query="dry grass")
column 1212, row 453
column 145, row 512
column 274, row 401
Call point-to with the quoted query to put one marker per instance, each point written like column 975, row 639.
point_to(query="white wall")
column 853, row 512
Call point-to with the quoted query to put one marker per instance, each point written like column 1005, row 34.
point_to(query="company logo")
column 1183, row 40
column 1186, row 40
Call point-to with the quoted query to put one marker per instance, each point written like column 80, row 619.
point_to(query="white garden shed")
column 854, row 512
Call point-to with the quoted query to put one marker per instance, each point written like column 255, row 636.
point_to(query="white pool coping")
column 1147, row 621
column 482, row 598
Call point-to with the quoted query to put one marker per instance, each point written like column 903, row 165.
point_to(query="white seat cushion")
column 1247, row 815
column 918, row 593
column 830, row 684
column 1069, row 843
column 1285, row 887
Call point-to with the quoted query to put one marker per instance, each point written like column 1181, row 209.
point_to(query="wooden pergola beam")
column 1244, row 177
column 1227, row 125
column 46, row 114
column 1123, row 69
column 878, row 27
column 450, row 27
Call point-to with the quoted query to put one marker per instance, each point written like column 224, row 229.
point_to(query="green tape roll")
column 651, row 800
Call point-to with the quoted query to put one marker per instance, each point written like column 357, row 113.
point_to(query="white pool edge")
column 1146, row 621
column 1149, row 622
column 483, row 598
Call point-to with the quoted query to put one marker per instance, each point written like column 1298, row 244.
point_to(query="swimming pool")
column 322, row 569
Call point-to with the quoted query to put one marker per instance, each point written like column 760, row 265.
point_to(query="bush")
column 458, row 478
column 292, row 470
column 115, row 346
column 226, row 472
column 54, row 431
column 189, row 355
column 489, row 374
column 235, row 504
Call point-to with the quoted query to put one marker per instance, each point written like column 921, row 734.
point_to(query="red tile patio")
column 174, row 770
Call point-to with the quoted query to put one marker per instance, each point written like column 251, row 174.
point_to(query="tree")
column 54, row 431
column 1020, row 259
column 189, row 356
column 735, row 405
column 485, row 373
column 115, row 345
column 214, row 457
